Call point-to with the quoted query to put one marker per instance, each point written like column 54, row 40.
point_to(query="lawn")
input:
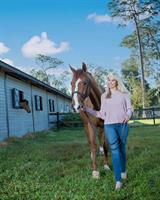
column 56, row 165
column 144, row 122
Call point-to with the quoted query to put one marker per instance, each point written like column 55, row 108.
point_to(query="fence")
column 152, row 114
column 139, row 117
column 59, row 120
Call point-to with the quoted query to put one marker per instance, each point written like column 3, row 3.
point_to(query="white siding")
column 40, row 117
column 3, row 119
column 67, row 105
column 60, row 104
column 52, row 118
column 20, row 122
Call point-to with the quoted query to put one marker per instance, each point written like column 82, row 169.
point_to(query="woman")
column 116, row 110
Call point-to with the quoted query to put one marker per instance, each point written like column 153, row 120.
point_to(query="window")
column 51, row 105
column 38, row 103
column 17, row 97
column 67, row 108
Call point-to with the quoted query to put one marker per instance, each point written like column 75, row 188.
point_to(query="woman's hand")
column 83, row 108
column 126, row 119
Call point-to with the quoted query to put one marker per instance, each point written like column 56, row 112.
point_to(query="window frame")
column 17, row 97
column 38, row 103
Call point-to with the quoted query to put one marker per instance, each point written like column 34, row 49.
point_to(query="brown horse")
column 85, row 91
column 25, row 105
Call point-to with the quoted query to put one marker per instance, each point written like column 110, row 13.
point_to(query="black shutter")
column 53, row 106
column 41, row 103
column 35, row 98
column 50, row 105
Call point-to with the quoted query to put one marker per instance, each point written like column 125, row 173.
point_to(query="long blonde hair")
column 120, row 85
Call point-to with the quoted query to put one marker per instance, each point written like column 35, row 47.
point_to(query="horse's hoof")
column 107, row 168
column 95, row 174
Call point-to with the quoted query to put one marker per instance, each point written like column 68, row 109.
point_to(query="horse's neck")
column 95, row 96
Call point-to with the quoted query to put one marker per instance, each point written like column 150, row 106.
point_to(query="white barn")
column 43, row 100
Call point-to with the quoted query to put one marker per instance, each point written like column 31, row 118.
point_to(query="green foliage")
column 130, row 68
column 72, row 117
column 57, row 166
column 40, row 75
column 47, row 63
column 144, row 40
column 99, row 73
column 130, row 73
column 61, row 82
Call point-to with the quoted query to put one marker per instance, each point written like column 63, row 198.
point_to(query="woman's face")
column 112, row 83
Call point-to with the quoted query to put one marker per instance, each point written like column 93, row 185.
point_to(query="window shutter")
column 41, row 103
column 53, row 109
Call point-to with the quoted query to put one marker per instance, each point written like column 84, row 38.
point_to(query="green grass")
column 56, row 165
column 144, row 122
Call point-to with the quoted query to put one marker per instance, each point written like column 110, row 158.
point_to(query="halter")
column 83, row 95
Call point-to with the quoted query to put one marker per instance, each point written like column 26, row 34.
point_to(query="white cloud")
column 3, row 48
column 42, row 45
column 102, row 18
column 8, row 61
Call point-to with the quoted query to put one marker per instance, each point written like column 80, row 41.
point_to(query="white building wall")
column 3, row 111
column 20, row 122
column 40, row 117
column 52, row 118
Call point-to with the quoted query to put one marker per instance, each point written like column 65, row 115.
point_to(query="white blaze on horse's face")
column 75, row 97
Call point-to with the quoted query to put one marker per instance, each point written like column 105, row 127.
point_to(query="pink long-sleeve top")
column 114, row 109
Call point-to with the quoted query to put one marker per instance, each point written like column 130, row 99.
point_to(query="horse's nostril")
column 78, row 107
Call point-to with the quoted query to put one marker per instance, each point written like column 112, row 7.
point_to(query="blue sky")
column 75, row 31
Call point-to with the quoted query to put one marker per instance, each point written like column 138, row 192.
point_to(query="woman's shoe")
column 118, row 185
column 124, row 175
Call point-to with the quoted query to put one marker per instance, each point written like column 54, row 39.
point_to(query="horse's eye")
column 85, row 83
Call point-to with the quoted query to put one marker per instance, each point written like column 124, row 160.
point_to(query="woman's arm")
column 100, row 113
column 129, row 108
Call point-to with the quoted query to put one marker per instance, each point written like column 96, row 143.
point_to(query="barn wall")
column 40, row 117
column 17, row 122
column 20, row 122
column 52, row 118
column 3, row 111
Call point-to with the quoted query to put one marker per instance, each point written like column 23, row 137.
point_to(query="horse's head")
column 80, row 86
column 25, row 105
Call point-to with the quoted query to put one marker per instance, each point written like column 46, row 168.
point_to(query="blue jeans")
column 117, row 137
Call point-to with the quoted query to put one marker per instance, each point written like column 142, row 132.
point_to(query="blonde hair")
column 120, row 85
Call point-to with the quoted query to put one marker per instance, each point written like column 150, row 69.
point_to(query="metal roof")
column 12, row 71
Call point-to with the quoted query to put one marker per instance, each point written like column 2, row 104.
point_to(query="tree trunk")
column 141, row 62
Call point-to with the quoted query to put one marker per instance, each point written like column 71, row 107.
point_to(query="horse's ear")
column 72, row 69
column 84, row 67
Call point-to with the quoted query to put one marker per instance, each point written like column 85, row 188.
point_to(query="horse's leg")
column 100, row 139
column 90, row 131
column 105, row 148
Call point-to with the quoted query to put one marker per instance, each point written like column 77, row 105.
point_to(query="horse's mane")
column 96, row 92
